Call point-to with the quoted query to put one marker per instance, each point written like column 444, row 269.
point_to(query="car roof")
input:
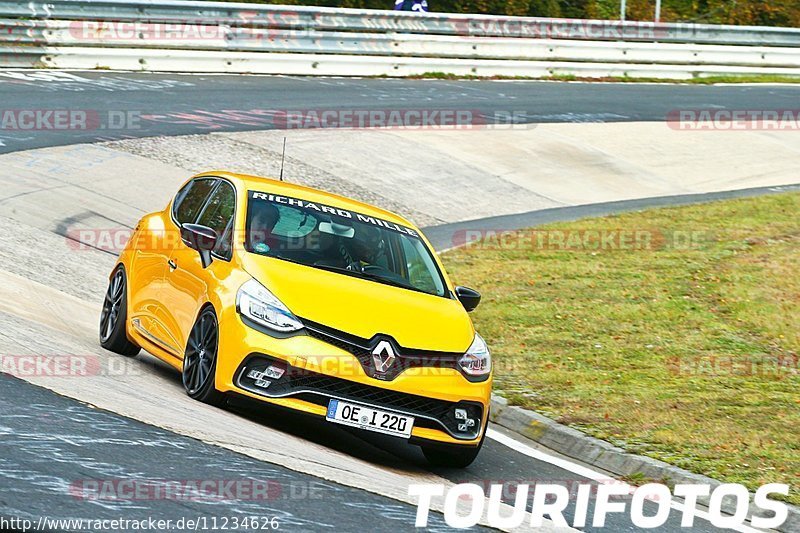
column 274, row 186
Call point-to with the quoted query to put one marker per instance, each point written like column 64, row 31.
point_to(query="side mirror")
column 469, row 298
column 200, row 238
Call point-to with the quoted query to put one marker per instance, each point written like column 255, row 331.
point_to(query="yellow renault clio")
column 308, row 300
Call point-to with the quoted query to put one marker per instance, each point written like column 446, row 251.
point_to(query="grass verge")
column 679, row 341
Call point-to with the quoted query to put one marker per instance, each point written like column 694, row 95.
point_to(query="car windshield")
column 340, row 240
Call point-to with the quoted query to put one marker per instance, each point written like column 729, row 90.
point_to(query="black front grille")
column 362, row 349
column 372, row 395
column 320, row 388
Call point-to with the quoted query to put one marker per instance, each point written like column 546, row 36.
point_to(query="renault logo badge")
column 383, row 356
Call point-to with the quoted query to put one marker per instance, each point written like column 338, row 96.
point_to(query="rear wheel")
column 452, row 456
column 200, row 360
column 114, row 318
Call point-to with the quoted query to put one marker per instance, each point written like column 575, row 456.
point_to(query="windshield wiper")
column 369, row 276
column 389, row 281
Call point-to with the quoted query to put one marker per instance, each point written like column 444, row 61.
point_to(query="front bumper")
column 314, row 372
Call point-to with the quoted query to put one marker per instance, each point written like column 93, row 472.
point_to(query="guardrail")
column 172, row 35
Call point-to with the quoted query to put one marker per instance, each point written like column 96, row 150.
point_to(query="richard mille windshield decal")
column 336, row 211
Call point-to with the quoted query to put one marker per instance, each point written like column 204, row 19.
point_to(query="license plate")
column 363, row 417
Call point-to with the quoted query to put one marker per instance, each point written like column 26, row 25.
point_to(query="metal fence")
column 172, row 35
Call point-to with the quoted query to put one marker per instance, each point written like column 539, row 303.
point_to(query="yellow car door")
column 188, row 282
column 148, row 269
column 155, row 241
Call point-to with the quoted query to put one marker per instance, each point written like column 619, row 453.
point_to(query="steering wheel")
column 384, row 273
column 355, row 266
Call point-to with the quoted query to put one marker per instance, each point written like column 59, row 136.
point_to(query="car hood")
column 365, row 308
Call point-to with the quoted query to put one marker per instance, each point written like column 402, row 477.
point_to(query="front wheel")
column 113, row 319
column 452, row 456
column 200, row 360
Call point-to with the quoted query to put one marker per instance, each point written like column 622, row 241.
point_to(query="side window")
column 218, row 215
column 420, row 266
column 190, row 199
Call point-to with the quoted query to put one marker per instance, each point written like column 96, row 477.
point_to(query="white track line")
column 583, row 471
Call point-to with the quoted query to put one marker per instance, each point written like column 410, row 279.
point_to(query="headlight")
column 477, row 361
column 255, row 302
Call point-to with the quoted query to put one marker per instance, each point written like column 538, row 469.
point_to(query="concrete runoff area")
column 465, row 174
column 441, row 176
column 432, row 177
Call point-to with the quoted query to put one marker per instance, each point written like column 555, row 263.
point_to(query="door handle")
column 172, row 265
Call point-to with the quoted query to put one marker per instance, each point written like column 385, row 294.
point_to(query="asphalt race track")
column 51, row 441
column 173, row 104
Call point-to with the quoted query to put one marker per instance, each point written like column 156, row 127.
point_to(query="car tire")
column 452, row 456
column 114, row 317
column 200, row 360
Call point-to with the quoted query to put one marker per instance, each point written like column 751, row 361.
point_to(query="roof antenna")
column 283, row 156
